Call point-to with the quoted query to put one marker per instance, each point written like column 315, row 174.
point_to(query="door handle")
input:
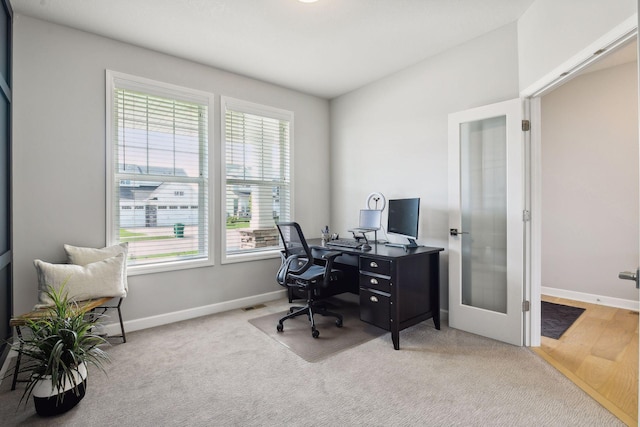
column 455, row 232
column 629, row 275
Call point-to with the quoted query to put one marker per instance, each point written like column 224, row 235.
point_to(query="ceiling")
column 326, row 48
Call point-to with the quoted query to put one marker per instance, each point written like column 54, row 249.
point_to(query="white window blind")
column 160, row 174
column 258, row 175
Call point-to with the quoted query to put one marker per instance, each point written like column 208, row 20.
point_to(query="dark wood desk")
column 398, row 288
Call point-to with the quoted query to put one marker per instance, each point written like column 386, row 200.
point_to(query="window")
column 158, row 148
column 257, row 193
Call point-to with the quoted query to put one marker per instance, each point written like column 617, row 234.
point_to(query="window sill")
column 137, row 270
column 252, row 256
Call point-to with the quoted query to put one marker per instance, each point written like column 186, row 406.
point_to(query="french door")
column 486, row 214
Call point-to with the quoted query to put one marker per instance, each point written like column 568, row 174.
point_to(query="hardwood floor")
column 599, row 353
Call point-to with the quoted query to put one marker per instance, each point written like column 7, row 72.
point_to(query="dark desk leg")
column 394, row 318
column 435, row 289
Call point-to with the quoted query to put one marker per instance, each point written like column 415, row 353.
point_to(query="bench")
column 83, row 307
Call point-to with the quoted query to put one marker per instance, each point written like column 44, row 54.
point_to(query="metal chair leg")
column 17, row 367
column 117, row 307
column 124, row 337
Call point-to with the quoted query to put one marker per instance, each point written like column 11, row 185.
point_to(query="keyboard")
column 345, row 243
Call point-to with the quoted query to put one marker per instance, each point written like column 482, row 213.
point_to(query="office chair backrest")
column 297, row 256
column 293, row 239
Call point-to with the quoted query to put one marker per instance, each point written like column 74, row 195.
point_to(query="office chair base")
column 309, row 310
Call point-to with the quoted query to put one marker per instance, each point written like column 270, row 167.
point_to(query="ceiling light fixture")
column 307, row 1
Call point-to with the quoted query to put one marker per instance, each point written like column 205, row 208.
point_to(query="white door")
column 486, row 213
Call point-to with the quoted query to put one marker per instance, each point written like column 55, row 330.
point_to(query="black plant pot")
column 56, row 404
column 50, row 400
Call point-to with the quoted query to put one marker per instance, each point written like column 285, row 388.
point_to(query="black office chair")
column 309, row 271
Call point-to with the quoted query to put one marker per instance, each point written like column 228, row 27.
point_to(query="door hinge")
column 526, row 216
column 526, row 125
column 526, row 306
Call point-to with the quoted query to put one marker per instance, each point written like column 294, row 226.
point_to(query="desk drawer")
column 374, row 308
column 375, row 265
column 377, row 283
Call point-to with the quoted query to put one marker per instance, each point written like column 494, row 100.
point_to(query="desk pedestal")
column 399, row 292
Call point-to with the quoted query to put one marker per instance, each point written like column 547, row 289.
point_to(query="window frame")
column 261, row 110
column 115, row 79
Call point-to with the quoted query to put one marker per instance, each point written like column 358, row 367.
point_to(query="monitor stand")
column 411, row 245
column 365, row 246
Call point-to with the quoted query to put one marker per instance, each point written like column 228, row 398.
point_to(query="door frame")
column 566, row 71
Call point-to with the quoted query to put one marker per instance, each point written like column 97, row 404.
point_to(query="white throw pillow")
column 94, row 280
column 83, row 256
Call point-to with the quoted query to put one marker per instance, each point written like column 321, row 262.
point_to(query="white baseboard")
column 113, row 328
column 593, row 299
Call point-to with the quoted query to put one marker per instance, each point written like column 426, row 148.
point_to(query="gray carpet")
column 296, row 335
column 220, row 370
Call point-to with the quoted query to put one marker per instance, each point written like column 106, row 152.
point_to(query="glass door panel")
column 483, row 208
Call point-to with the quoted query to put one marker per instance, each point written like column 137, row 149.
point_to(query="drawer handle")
column 373, row 264
column 373, row 281
column 373, row 298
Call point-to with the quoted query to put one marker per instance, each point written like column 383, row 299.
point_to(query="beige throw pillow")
column 94, row 280
column 83, row 256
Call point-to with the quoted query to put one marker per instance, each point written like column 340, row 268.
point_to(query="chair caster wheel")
column 280, row 328
column 339, row 323
column 315, row 333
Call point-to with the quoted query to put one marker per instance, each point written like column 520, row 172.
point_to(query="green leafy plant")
column 57, row 344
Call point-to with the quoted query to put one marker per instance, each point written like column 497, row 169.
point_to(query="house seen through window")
column 159, row 168
column 257, row 142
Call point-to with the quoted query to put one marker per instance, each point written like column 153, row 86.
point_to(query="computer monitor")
column 403, row 219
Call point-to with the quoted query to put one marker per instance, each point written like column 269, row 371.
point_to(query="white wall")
column 59, row 161
column 590, row 183
column 551, row 32
column 391, row 136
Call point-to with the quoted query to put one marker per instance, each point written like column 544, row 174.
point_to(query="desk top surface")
column 378, row 249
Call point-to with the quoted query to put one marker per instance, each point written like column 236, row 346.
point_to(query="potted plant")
column 57, row 349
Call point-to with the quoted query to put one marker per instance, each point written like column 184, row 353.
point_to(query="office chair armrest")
column 328, row 256
column 293, row 264
column 297, row 264
column 324, row 254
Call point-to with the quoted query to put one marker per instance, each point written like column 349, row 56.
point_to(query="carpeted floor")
column 220, row 370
